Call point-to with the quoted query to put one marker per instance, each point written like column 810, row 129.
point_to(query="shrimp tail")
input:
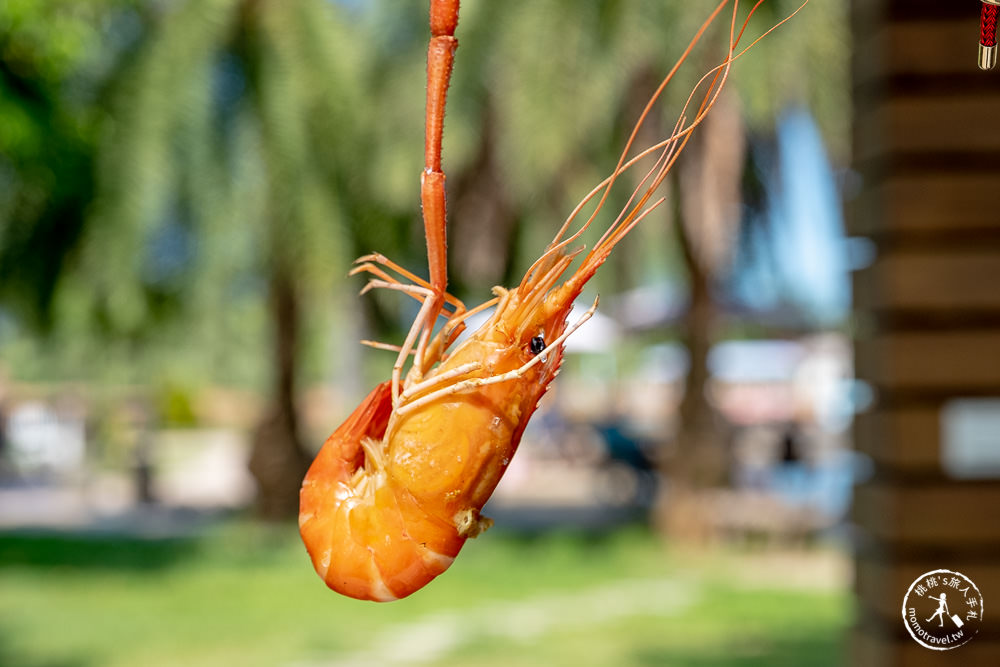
column 368, row 538
column 327, row 491
column 342, row 453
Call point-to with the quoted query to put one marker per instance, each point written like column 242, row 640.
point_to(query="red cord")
column 988, row 25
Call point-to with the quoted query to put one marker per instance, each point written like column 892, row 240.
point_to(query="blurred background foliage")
column 184, row 184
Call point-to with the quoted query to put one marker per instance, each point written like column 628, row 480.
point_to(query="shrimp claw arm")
column 473, row 383
column 368, row 262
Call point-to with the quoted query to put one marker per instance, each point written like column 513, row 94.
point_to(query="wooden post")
column 927, row 150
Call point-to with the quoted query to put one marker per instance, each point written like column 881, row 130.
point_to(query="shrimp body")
column 394, row 493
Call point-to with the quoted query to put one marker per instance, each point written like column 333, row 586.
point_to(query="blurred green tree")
column 228, row 161
column 55, row 62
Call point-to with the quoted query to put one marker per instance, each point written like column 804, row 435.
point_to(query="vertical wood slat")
column 923, row 515
column 905, row 440
column 880, row 581
column 943, row 280
column 934, row 362
column 954, row 127
column 929, row 203
column 928, row 47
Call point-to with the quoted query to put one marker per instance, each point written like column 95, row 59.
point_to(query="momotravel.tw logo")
column 942, row 609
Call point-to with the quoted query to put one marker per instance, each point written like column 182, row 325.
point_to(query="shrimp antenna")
column 669, row 148
column 556, row 246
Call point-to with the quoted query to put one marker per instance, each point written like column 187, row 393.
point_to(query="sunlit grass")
column 245, row 594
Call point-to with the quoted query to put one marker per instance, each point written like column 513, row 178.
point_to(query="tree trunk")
column 484, row 223
column 278, row 461
column 706, row 225
column 698, row 460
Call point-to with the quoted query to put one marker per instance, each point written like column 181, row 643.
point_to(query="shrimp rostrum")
column 397, row 489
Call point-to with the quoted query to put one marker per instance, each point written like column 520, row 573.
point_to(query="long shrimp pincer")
column 398, row 488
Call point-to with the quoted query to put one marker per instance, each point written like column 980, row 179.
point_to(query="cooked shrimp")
column 398, row 488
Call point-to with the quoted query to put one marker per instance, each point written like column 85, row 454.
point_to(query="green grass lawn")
column 246, row 595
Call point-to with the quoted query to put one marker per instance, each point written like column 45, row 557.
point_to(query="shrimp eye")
column 537, row 345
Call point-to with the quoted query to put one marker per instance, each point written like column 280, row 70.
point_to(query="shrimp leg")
column 473, row 383
column 407, row 347
column 440, row 58
column 366, row 264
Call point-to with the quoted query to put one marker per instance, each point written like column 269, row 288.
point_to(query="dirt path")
column 432, row 637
